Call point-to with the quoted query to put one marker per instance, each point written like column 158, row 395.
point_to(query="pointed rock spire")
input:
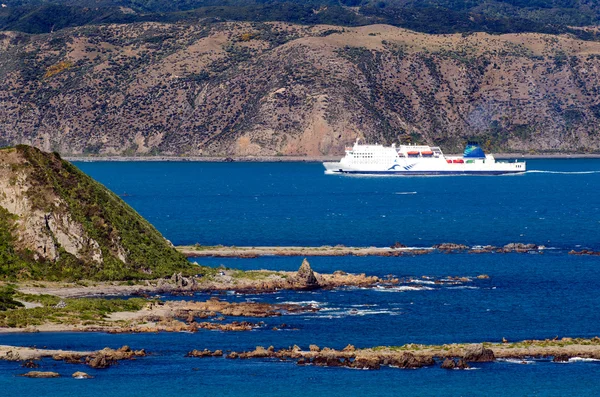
column 305, row 278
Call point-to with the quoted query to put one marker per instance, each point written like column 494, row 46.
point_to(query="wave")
column 463, row 287
column 582, row 359
column 402, row 289
column 562, row 172
column 405, row 193
column 516, row 361
column 422, row 282
column 313, row 303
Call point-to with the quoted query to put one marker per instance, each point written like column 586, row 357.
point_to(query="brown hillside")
column 280, row 89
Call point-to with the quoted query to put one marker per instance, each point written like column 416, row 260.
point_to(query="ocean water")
column 527, row 296
column 556, row 203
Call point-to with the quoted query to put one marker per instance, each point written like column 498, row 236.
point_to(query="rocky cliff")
column 57, row 223
column 282, row 89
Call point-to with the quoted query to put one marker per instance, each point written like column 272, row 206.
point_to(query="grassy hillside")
column 126, row 245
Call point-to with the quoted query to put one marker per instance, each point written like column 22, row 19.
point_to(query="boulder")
column 453, row 364
column 200, row 353
column 81, row 375
column 305, row 277
column 477, row 353
column 100, row 362
column 39, row 374
column 446, row 247
column 349, row 348
column 519, row 247
column 30, row 364
column 409, row 360
column 462, row 364
column 449, row 364
column 560, row 358
column 303, row 361
column 314, row 348
column 366, row 363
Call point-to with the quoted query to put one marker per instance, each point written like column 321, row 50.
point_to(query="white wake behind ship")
column 419, row 160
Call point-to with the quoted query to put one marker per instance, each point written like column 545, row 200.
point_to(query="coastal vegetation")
column 85, row 231
column 67, row 311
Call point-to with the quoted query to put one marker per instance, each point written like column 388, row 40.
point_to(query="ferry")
column 419, row 160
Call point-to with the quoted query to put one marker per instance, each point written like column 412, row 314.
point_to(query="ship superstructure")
column 420, row 160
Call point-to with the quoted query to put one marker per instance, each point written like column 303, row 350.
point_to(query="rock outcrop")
column 81, row 375
column 40, row 374
column 54, row 217
column 305, row 277
column 478, row 353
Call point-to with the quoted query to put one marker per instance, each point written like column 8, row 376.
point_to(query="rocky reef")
column 451, row 356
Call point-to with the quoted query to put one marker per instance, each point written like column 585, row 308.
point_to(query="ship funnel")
column 473, row 151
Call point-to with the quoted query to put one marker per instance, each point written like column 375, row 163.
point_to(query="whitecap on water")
column 313, row 303
column 422, row 282
column 515, row 361
column 463, row 287
column 562, row 172
column 582, row 359
column 402, row 288
column 405, row 193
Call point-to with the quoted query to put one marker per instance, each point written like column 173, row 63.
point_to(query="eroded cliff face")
column 56, row 221
column 42, row 232
column 281, row 89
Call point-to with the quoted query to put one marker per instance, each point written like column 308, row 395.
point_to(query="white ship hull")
column 425, row 169
column 379, row 160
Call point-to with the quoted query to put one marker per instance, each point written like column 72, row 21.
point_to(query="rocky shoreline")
column 177, row 316
column 339, row 250
column 150, row 314
column 410, row 356
column 221, row 280
column 450, row 356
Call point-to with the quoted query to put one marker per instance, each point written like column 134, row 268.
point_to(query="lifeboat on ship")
column 427, row 153
column 458, row 161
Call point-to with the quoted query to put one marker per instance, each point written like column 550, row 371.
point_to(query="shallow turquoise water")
column 527, row 296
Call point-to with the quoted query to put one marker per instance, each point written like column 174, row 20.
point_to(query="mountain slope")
column 58, row 223
column 281, row 89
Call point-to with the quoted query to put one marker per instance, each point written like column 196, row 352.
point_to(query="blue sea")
column 527, row 296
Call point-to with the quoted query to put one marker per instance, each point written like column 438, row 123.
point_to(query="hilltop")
column 279, row 89
column 57, row 223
